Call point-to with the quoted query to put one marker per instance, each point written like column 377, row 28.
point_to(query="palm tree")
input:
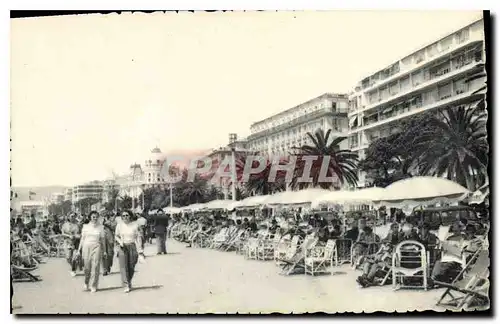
column 258, row 183
column 195, row 191
column 342, row 163
column 456, row 146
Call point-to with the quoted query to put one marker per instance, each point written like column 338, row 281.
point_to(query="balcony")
column 421, row 62
column 426, row 82
column 298, row 121
column 458, row 97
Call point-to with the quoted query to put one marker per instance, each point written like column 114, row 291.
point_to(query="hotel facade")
column 430, row 79
column 278, row 134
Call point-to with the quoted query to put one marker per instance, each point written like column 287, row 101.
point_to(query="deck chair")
column 409, row 263
column 370, row 249
column 251, row 248
column 265, row 250
column 343, row 248
column 282, row 247
column 470, row 289
column 234, row 241
column 320, row 259
column 241, row 244
column 20, row 273
column 296, row 261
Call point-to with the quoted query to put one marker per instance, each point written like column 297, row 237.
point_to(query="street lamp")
column 232, row 139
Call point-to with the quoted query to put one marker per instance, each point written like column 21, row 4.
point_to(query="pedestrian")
column 141, row 224
column 161, row 225
column 73, row 230
column 92, row 250
column 129, row 240
column 109, row 229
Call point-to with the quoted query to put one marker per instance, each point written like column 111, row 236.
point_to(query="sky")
column 92, row 94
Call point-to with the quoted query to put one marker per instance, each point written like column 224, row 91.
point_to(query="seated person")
column 457, row 251
column 429, row 240
column 372, row 265
column 333, row 231
column 353, row 233
column 274, row 226
column 362, row 246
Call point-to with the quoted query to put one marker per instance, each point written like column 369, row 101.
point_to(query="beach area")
column 190, row 281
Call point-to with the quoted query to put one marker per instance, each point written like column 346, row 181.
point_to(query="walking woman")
column 72, row 230
column 128, row 237
column 92, row 249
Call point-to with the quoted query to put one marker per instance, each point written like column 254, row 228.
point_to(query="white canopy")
column 420, row 191
column 193, row 207
column 249, row 202
column 362, row 196
column 305, row 196
column 172, row 210
column 218, row 204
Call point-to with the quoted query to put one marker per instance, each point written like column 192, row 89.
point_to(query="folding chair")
column 296, row 261
column 409, row 263
column 320, row 259
column 343, row 249
column 470, row 289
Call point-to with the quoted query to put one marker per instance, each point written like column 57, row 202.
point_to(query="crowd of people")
column 93, row 241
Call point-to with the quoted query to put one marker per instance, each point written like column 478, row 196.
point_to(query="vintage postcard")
column 250, row 162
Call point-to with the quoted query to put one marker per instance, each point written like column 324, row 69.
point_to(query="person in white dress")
column 128, row 237
column 92, row 250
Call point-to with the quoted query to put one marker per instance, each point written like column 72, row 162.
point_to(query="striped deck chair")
column 320, row 259
column 295, row 262
column 469, row 291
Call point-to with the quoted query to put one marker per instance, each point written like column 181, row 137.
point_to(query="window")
column 444, row 91
column 405, row 83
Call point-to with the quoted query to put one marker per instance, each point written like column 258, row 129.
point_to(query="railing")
column 297, row 121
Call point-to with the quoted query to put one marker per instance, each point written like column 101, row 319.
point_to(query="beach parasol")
column 415, row 192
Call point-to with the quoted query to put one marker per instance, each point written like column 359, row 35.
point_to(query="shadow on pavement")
column 147, row 287
column 111, row 288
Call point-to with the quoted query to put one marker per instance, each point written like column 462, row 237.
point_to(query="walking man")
column 161, row 225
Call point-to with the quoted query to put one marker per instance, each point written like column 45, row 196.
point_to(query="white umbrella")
column 420, row 191
column 305, row 196
column 172, row 210
column 193, row 207
column 250, row 202
column 353, row 197
column 218, row 204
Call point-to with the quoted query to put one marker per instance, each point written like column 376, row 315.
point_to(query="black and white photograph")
column 250, row 162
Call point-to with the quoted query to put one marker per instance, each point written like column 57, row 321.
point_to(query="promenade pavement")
column 192, row 280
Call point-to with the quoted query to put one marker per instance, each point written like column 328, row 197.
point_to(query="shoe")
column 93, row 290
column 126, row 290
column 105, row 273
column 85, row 287
column 73, row 273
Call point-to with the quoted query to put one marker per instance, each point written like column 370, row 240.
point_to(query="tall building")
column 92, row 189
column 152, row 168
column 278, row 134
column 68, row 194
column 429, row 79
